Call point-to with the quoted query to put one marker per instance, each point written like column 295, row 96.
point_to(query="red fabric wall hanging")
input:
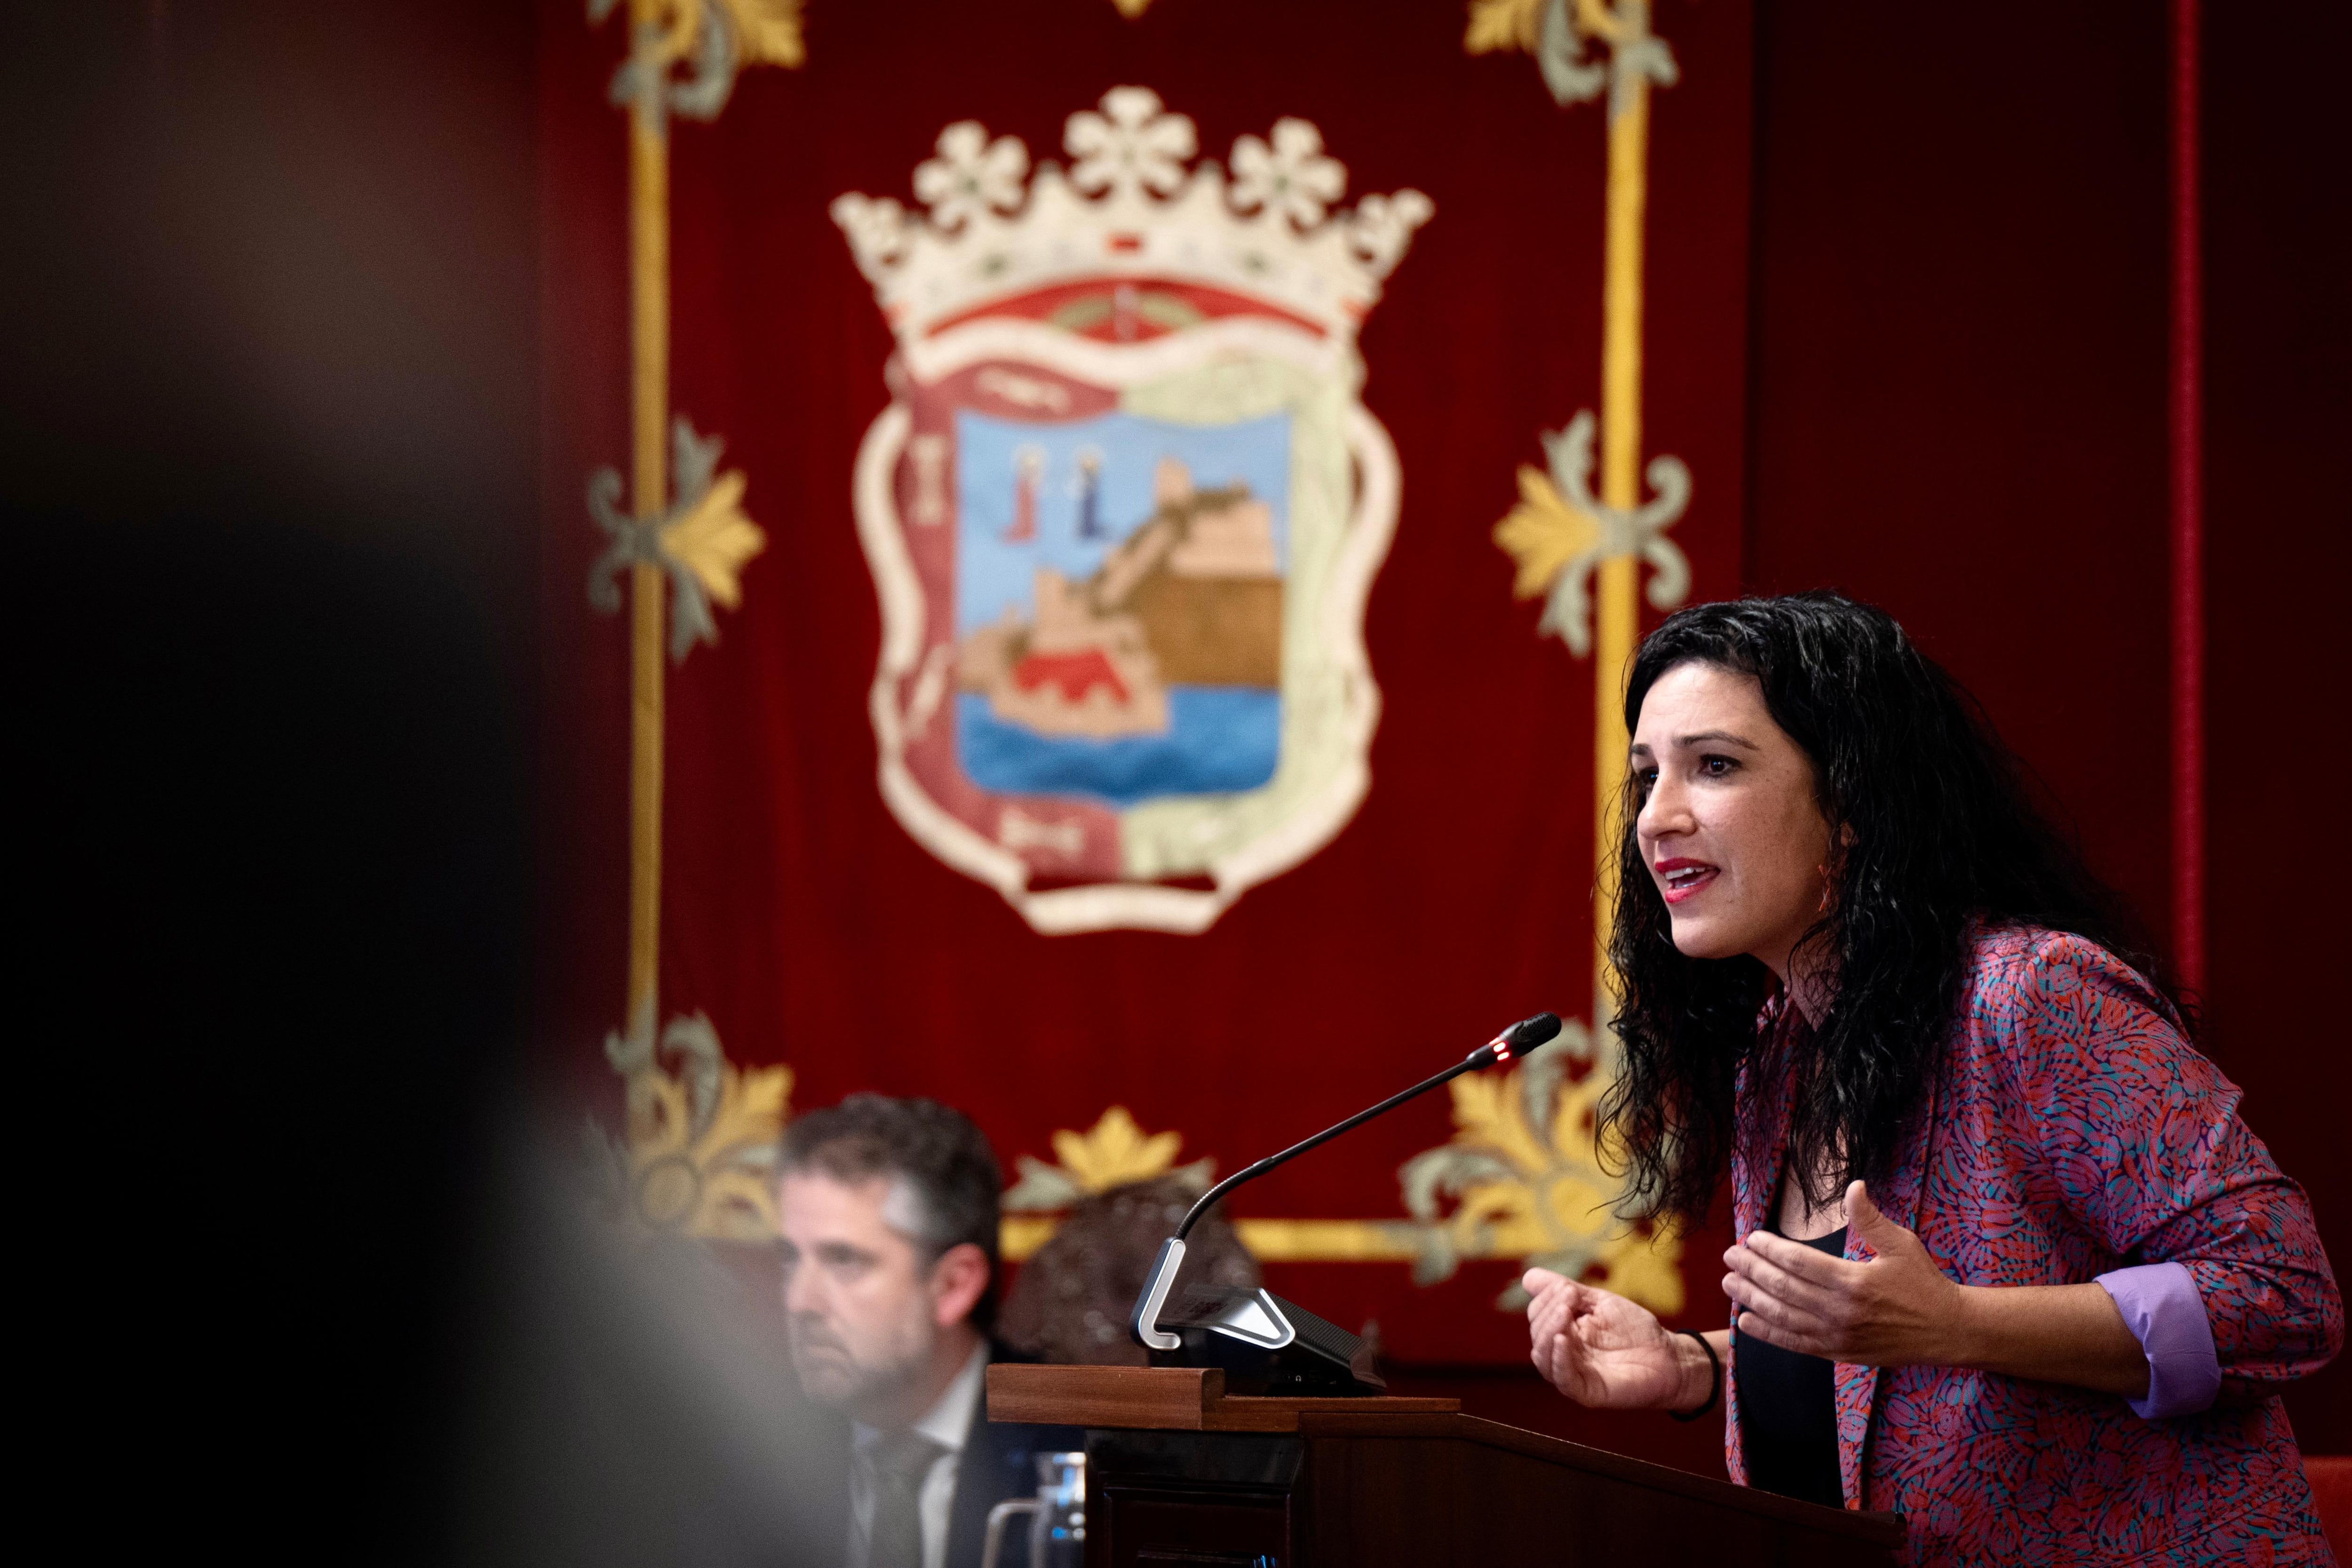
column 802, row 919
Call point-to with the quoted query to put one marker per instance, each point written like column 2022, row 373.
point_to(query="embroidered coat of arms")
column 1124, row 511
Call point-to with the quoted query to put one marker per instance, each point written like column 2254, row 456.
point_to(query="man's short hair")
column 931, row 1151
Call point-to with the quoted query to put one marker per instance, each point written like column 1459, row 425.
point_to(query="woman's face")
column 1730, row 827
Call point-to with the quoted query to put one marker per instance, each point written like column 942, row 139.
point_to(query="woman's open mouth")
column 1681, row 878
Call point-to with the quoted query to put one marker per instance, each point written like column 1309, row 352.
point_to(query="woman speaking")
column 2007, row 1261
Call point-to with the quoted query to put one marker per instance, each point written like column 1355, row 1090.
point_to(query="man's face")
column 859, row 1303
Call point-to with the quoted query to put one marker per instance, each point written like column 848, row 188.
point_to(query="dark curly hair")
column 1937, row 832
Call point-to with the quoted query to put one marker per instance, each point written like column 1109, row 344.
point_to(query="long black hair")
column 1937, row 831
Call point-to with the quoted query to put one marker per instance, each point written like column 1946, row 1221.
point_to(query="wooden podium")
column 1181, row 1475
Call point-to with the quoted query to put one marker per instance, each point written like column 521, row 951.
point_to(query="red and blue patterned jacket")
column 2070, row 1131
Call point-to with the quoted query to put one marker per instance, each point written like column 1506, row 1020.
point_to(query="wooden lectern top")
column 1164, row 1399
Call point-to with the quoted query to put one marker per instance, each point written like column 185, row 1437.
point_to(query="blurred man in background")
column 887, row 1212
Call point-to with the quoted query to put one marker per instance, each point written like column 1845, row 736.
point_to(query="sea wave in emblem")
column 1219, row 739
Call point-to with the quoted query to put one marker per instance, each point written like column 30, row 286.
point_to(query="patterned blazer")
column 2071, row 1131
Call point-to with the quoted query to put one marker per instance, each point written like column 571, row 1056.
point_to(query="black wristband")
column 1714, row 1379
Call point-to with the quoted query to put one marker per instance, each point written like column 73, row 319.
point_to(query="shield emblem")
column 1124, row 512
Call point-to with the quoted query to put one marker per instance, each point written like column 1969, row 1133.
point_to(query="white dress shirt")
column 947, row 1422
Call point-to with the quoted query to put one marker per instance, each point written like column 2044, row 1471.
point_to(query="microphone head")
column 1526, row 1036
column 1528, row 1032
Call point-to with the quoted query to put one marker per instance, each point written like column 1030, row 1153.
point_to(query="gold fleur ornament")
column 714, row 38
column 701, row 543
column 1503, row 26
column 768, row 31
column 1111, row 1153
column 701, row 1147
column 1556, row 32
column 1560, row 532
column 1544, row 532
column 1527, row 1180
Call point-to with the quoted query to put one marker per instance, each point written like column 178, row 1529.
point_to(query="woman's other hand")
column 1601, row 1350
column 1900, row 1310
column 1897, row 1309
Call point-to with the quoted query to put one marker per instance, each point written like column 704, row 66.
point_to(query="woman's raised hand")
column 1897, row 1309
column 1600, row 1348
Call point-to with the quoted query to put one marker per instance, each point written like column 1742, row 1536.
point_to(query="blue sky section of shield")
column 992, row 574
column 1221, row 739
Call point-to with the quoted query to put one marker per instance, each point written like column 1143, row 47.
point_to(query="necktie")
column 901, row 1461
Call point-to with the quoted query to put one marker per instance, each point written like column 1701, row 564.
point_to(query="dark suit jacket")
column 997, row 1463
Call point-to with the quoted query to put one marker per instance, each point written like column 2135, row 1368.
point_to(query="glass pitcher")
column 1057, row 1517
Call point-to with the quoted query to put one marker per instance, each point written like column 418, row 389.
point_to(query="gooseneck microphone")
column 1144, row 1323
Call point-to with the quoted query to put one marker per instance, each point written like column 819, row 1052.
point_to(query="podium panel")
column 1181, row 1475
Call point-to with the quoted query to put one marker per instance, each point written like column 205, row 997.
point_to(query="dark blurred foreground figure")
column 622, row 1410
column 888, row 1210
column 1071, row 1303
column 2008, row 1262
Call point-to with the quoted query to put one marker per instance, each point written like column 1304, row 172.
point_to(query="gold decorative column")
column 649, row 498
column 701, row 1134
column 1560, row 532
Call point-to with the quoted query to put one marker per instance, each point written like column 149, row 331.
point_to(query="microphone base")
column 1296, row 1354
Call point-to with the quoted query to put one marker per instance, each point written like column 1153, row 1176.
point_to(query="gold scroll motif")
column 700, row 1154
column 1526, row 1179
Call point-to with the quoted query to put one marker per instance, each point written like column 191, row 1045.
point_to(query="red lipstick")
column 1680, row 878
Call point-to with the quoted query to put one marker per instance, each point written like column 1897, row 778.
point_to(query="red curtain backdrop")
column 802, row 919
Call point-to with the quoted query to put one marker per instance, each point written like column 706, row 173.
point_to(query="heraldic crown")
column 1131, row 205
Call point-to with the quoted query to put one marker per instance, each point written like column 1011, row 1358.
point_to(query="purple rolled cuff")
column 2161, row 1308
